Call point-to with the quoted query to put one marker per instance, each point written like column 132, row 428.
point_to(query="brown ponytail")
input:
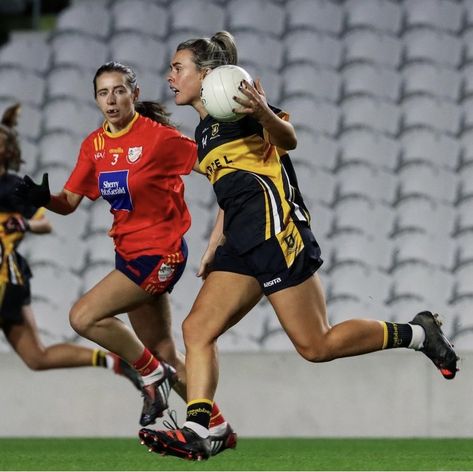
column 154, row 111
column 11, row 158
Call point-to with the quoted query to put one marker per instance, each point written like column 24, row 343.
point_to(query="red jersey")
column 137, row 170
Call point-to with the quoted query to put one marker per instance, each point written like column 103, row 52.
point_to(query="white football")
column 219, row 87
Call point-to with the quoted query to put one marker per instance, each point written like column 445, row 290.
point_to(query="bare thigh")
column 302, row 313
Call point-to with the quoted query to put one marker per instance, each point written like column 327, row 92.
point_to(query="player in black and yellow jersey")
column 261, row 244
column 16, row 315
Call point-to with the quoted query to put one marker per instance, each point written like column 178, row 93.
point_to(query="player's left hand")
column 255, row 103
column 16, row 224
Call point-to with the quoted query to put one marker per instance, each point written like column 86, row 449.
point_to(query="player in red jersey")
column 135, row 162
column 16, row 315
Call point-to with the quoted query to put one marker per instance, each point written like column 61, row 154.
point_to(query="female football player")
column 262, row 243
column 135, row 162
column 16, row 315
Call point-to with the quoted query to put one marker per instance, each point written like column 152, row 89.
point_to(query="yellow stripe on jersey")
column 241, row 154
column 121, row 132
column 291, row 243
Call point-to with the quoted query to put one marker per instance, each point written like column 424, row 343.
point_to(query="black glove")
column 37, row 195
column 16, row 224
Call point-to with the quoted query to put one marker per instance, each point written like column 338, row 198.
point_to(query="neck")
column 117, row 127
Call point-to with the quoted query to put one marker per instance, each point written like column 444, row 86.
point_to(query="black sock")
column 200, row 411
column 397, row 335
column 99, row 358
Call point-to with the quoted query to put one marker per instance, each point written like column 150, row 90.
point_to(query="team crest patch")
column 134, row 153
column 165, row 272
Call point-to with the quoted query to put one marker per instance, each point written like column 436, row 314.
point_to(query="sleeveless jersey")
column 256, row 190
column 138, row 171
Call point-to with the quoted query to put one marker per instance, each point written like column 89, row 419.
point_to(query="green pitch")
column 251, row 454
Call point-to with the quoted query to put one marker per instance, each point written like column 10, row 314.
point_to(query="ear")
column 136, row 94
column 204, row 72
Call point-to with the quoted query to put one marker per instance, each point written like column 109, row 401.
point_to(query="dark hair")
column 210, row 53
column 153, row 110
column 11, row 158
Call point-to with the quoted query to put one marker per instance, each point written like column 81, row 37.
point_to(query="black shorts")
column 282, row 261
column 12, row 299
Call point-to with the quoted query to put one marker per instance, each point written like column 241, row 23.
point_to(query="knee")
column 80, row 318
column 316, row 353
column 195, row 334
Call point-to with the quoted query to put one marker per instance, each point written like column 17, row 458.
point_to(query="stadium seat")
column 370, row 113
column 312, row 47
column 467, row 81
column 316, row 150
column 428, row 45
column 60, row 149
column 70, row 82
column 27, row 50
column 71, row 116
column 69, row 228
column 372, row 47
column 265, row 16
column 370, row 79
column 463, row 220
column 442, row 14
column 198, row 190
column 100, row 217
column 457, row 324
column 359, row 215
column 319, row 15
column 426, row 180
column 366, row 146
column 259, row 51
column 427, row 146
column 58, row 175
column 316, row 185
column 321, row 221
column 199, row 16
column 462, row 252
column 58, row 286
column 464, row 190
column 419, row 281
column 272, row 83
column 141, row 17
column 22, row 85
column 152, row 86
column 153, row 55
column 467, row 114
column 462, row 288
column 30, row 156
column 100, row 249
column 415, row 214
column 381, row 15
column 431, row 79
column 316, row 82
column 185, row 118
column 94, row 273
column 361, row 180
column 439, row 115
column 466, row 152
column 314, row 115
column 51, row 250
column 77, row 50
column 29, row 124
column 91, row 18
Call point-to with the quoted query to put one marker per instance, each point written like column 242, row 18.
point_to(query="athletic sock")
column 396, row 335
column 149, row 368
column 198, row 416
column 102, row 359
column 418, row 337
column 216, row 417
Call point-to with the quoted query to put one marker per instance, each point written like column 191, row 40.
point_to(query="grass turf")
column 251, row 454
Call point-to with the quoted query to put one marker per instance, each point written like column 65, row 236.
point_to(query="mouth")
column 112, row 112
column 174, row 90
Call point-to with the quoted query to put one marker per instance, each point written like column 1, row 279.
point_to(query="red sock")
column 146, row 364
column 216, row 417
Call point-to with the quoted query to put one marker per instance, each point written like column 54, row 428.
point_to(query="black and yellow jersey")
column 254, row 181
column 13, row 267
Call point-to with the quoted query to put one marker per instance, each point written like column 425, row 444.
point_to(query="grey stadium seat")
column 320, row 15
column 442, row 14
column 201, row 16
column 382, row 15
column 27, row 50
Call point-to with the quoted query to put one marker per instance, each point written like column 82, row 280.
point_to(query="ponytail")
column 154, row 111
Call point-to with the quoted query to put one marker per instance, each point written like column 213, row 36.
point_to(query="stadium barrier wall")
column 388, row 394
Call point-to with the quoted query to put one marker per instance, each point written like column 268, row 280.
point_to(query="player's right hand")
column 38, row 195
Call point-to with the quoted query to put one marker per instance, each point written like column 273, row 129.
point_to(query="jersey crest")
column 134, row 153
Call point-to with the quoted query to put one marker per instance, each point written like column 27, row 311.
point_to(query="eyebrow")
column 177, row 63
column 113, row 88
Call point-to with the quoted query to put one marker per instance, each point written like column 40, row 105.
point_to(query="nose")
column 111, row 99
